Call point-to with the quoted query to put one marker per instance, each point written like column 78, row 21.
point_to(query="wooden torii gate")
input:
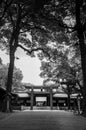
column 50, row 92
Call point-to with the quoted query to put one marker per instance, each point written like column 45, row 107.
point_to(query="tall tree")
column 72, row 16
column 21, row 17
column 62, row 68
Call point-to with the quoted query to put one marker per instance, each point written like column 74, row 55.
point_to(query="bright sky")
column 30, row 67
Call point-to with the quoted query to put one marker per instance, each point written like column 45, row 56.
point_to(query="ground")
column 4, row 115
column 43, row 120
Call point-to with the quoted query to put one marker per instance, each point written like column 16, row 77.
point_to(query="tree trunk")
column 80, row 34
column 7, row 100
column 13, row 45
column 9, row 81
column 83, row 63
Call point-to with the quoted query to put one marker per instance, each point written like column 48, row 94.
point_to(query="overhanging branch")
column 33, row 50
column 59, row 23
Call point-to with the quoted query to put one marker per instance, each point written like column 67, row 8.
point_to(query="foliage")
column 57, row 21
column 17, row 76
column 65, row 66
column 3, row 75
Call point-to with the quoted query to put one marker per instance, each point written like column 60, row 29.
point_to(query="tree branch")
column 7, row 5
column 81, row 87
column 12, row 21
column 59, row 22
column 33, row 50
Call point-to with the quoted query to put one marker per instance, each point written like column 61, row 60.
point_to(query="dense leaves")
column 17, row 77
column 65, row 65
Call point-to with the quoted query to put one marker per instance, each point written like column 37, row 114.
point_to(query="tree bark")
column 9, row 81
column 13, row 45
column 83, row 63
column 7, row 100
column 80, row 34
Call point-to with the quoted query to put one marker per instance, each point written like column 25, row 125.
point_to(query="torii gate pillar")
column 32, row 98
column 51, row 99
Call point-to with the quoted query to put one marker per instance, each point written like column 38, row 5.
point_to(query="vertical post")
column 68, row 89
column 51, row 99
column 32, row 98
column 8, row 104
column 78, row 100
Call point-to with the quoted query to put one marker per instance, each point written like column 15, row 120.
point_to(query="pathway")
column 43, row 120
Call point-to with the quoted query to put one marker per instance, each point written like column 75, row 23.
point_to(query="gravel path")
column 43, row 120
